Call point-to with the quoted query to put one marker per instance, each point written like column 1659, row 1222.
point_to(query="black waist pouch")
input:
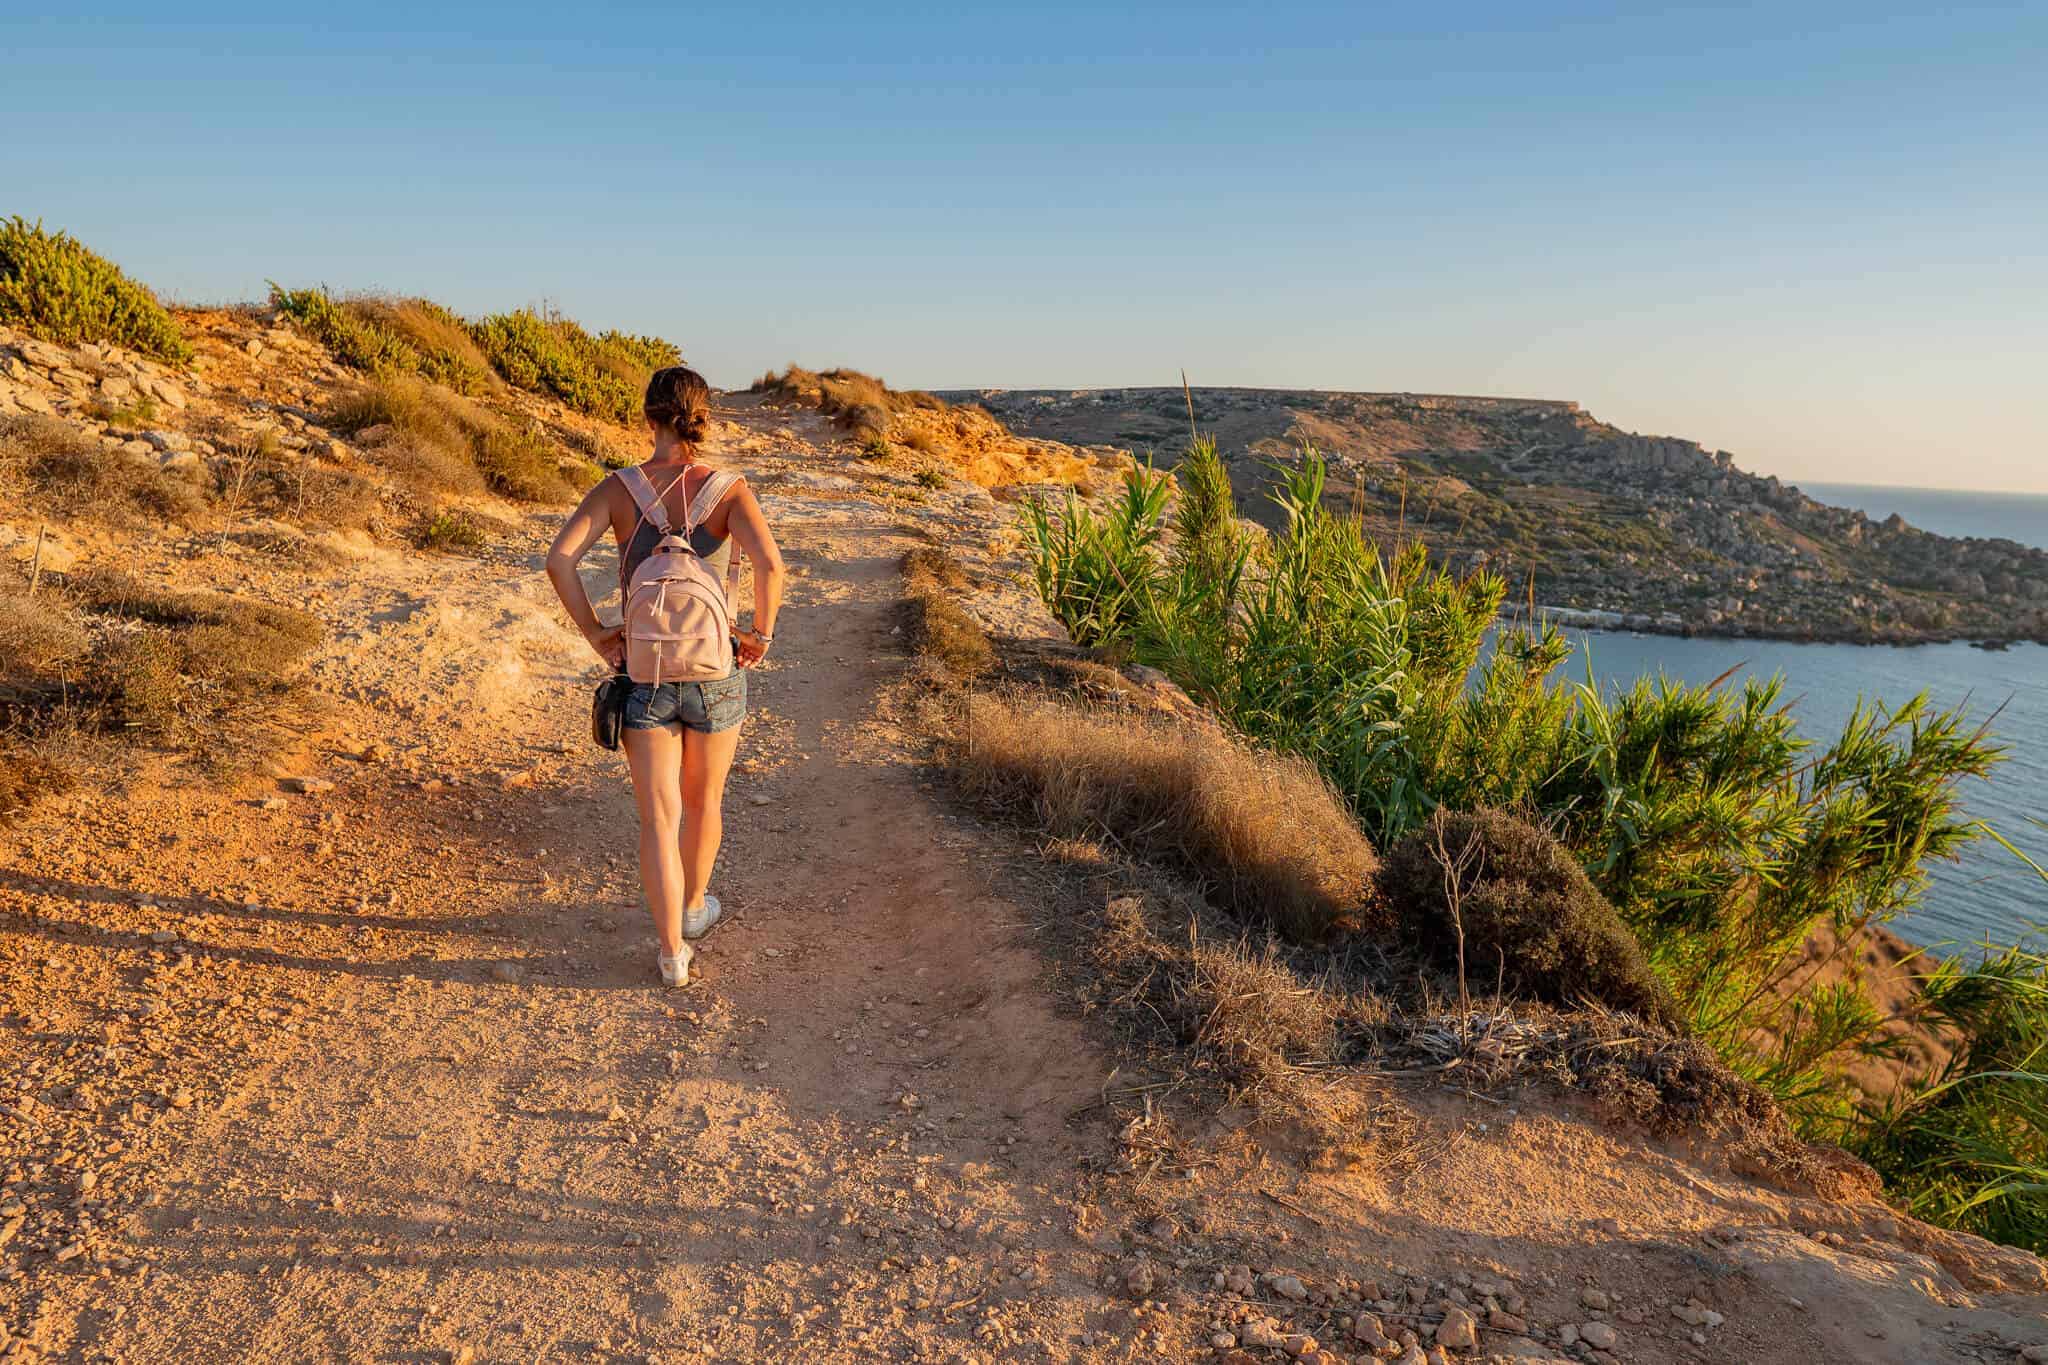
column 608, row 710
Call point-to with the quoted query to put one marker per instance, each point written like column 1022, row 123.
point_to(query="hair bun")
column 679, row 399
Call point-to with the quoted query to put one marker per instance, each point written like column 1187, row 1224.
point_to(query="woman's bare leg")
column 706, row 761
column 655, row 758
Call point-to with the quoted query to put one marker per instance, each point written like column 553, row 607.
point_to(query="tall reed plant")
column 1723, row 836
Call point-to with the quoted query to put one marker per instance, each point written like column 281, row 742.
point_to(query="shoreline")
column 1590, row 618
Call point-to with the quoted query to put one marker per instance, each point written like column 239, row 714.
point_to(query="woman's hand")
column 610, row 644
column 751, row 647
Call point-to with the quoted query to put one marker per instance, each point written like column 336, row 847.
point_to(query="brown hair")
column 679, row 399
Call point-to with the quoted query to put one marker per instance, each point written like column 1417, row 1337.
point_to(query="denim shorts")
column 706, row 707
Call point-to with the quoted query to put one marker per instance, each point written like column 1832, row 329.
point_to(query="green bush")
column 409, row 336
column 604, row 376
column 53, row 287
column 449, row 530
column 1500, row 898
column 1720, row 836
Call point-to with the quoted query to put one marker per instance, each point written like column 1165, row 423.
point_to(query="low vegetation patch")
column 1219, row 1008
column 101, row 654
column 605, row 376
column 963, row 438
column 863, row 404
column 376, row 334
column 1262, row 833
column 1219, row 906
column 62, row 467
column 450, row 530
column 1499, row 901
column 940, row 629
column 51, row 286
column 174, row 660
column 26, row 778
column 441, row 442
column 39, row 634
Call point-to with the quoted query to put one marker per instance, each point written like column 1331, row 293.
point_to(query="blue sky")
column 1815, row 235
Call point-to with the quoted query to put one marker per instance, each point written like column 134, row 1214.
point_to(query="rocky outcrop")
column 1625, row 530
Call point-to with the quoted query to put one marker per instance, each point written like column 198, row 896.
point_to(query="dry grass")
column 940, row 629
column 436, row 333
column 1263, row 833
column 967, row 440
column 1228, row 1018
column 295, row 489
column 39, row 634
column 67, row 471
column 27, row 777
column 863, row 404
column 441, row 442
column 173, row 661
column 1273, row 971
column 103, row 655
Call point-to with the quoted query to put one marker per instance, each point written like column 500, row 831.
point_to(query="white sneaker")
column 675, row 971
column 697, row 923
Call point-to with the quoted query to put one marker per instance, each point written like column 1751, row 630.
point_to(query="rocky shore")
column 1627, row 531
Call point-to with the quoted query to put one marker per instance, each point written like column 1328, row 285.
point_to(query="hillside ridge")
column 1646, row 532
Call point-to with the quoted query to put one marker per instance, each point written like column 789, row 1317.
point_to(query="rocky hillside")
column 1647, row 532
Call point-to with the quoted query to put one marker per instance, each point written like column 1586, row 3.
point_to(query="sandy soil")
column 384, row 1072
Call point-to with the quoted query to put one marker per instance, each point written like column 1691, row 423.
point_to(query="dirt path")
column 381, row 1071
column 449, row 1110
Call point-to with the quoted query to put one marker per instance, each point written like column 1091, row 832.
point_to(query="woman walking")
column 679, row 737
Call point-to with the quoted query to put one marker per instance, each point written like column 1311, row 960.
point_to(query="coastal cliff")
column 1610, row 527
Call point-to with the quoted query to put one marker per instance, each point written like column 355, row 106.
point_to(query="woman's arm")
column 747, row 526
column 584, row 528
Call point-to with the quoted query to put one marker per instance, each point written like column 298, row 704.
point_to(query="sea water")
column 1989, row 892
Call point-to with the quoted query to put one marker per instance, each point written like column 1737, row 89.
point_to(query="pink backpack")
column 678, row 621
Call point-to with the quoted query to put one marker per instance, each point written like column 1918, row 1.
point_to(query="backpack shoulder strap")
column 648, row 501
column 644, row 497
column 708, row 497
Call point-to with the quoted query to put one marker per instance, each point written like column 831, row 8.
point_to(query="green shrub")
column 53, row 287
column 450, row 530
column 876, row 447
column 1099, row 573
column 446, row 351
column 605, row 376
column 1969, row 1148
column 134, row 415
column 357, row 342
column 1500, row 898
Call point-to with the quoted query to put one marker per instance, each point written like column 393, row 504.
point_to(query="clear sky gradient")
column 1813, row 234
